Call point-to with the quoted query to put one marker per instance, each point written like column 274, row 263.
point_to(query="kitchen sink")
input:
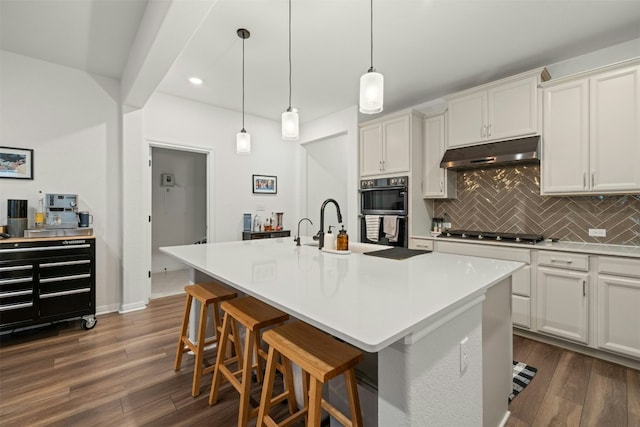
column 357, row 247
column 59, row 232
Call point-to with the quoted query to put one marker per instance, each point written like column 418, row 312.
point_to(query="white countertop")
column 563, row 246
column 368, row 301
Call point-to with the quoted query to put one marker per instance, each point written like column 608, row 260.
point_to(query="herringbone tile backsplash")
column 508, row 199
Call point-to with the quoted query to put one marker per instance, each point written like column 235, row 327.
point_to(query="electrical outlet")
column 464, row 354
column 597, row 232
column 447, row 225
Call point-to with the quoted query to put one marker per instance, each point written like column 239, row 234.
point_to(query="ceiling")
column 424, row 48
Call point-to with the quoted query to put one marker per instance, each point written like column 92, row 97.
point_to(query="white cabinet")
column 521, row 298
column 420, row 243
column 562, row 295
column 385, row 146
column 618, row 305
column 438, row 183
column 500, row 110
column 592, row 133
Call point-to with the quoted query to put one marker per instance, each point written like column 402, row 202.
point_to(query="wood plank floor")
column 118, row 374
column 121, row 373
column 571, row 389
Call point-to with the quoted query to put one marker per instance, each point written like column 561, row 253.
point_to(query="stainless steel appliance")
column 384, row 206
column 61, row 210
column 16, row 217
column 531, row 239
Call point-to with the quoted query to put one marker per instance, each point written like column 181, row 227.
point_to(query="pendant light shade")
column 243, row 139
column 290, row 120
column 371, row 85
column 290, row 125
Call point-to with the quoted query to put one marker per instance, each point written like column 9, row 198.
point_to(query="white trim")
column 128, row 308
column 153, row 143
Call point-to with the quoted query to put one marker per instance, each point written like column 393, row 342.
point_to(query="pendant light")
column 371, row 85
column 290, row 120
column 243, row 139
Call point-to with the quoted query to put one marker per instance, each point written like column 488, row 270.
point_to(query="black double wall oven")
column 384, row 207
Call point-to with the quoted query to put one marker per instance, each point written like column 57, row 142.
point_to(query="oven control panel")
column 396, row 181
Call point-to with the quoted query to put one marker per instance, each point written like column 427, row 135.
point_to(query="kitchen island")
column 414, row 313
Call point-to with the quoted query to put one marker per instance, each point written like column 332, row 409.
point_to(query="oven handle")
column 395, row 187
column 385, row 214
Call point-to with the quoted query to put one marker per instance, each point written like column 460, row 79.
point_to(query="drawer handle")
column 15, row 306
column 17, row 268
column 63, row 293
column 584, row 288
column 422, row 246
column 60, row 264
column 46, row 248
column 15, row 294
column 20, row 280
column 566, row 261
column 63, row 278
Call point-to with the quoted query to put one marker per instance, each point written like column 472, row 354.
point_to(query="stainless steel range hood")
column 523, row 150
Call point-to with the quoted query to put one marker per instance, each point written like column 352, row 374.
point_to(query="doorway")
column 178, row 212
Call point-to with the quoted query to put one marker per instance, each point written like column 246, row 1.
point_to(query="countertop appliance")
column 531, row 239
column 380, row 198
column 61, row 210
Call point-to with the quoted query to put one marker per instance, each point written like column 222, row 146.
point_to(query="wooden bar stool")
column 206, row 294
column 320, row 357
column 254, row 315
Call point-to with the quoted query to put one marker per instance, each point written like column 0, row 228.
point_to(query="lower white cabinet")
column 419, row 243
column 563, row 303
column 619, row 305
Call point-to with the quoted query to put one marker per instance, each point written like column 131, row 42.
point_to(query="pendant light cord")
column 243, row 84
column 289, row 109
column 371, row 69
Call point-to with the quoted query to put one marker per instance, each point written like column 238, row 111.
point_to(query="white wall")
column 178, row 212
column 72, row 122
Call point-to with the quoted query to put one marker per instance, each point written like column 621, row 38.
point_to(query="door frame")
column 150, row 144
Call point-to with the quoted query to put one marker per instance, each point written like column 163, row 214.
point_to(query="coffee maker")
column 61, row 210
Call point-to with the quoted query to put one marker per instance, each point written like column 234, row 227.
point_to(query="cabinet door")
column 563, row 303
column 618, row 315
column 371, row 150
column 396, row 145
column 565, row 155
column 512, row 109
column 434, row 175
column 521, row 311
column 615, row 131
column 468, row 119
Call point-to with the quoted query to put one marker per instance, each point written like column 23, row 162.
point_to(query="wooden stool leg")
column 222, row 345
column 288, row 383
column 235, row 333
column 243, row 416
column 259, row 364
column 183, row 333
column 315, row 403
column 197, row 369
column 267, row 387
column 354, row 400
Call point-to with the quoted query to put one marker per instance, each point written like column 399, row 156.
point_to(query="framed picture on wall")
column 16, row 163
column 265, row 184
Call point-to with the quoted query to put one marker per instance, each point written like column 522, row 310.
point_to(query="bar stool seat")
column 210, row 293
column 321, row 358
column 254, row 315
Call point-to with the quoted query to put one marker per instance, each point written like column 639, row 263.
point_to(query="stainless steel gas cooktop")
column 531, row 239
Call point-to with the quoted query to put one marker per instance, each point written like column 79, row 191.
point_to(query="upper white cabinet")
column 504, row 109
column 385, row 144
column 438, row 183
column 592, row 133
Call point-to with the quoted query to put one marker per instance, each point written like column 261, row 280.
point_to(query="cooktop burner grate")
column 493, row 235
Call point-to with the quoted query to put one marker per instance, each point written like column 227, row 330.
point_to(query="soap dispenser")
column 330, row 239
column 342, row 241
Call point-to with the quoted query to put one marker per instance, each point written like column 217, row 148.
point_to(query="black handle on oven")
column 395, row 187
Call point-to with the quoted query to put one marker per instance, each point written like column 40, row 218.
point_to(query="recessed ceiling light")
column 195, row 81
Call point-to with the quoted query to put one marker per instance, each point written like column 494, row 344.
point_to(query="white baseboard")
column 135, row 306
column 104, row 309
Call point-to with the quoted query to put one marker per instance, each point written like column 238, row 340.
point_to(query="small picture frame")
column 16, row 163
column 265, row 184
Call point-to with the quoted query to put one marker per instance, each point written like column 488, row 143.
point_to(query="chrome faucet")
column 320, row 235
column 297, row 239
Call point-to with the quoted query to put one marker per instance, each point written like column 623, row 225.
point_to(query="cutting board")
column 397, row 253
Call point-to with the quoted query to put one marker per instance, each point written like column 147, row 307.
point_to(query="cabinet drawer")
column 417, row 243
column 521, row 311
column 64, row 283
column 16, row 271
column 15, row 313
column 564, row 260
column 619, row 266
column 485, row 251
column 20, row 296
column 64, row 268
column 66, row 304
column 32, row 253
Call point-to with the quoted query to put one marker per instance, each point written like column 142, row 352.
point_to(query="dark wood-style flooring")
column 121, row 373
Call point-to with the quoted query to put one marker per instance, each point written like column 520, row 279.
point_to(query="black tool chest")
column 47, row 280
